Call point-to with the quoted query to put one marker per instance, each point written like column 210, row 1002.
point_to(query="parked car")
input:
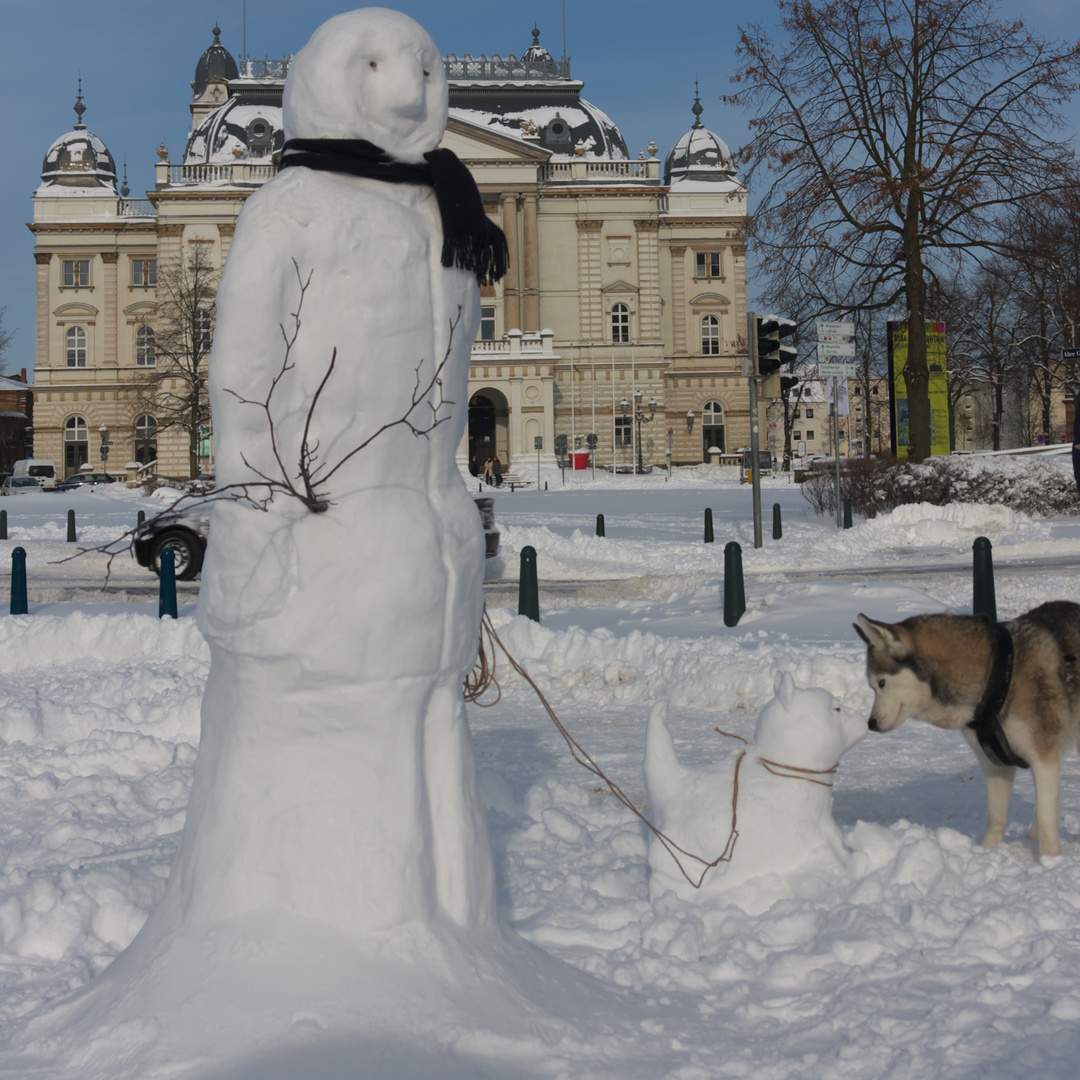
column 43, row 470
column 20, row 485
column 186, row 532
column 84, row 479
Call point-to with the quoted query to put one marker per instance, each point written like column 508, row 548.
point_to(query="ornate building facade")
column 622, row 315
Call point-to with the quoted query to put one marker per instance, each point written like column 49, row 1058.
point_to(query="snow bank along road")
column 924, row 957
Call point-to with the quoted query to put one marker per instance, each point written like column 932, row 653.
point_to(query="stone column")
column 511, row 283
column 225, row 233
column 531, row 264
column 42, row 357
column 648, row 232
column 109, row 331
column 678, row 299
column 590, row 315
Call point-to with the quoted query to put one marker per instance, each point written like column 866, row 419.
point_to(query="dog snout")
column 872, row 724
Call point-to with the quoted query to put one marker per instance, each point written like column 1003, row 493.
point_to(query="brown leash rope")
column 482, row 678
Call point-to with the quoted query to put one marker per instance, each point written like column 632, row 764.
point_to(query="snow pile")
column 768, row 808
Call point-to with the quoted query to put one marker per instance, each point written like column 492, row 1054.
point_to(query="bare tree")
column 898, row 130
column 176, row 348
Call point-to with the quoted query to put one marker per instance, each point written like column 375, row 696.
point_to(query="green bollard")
column 3, row 524
column 600, row 525
column 847, row 513
column 734, row 592
column 528, row 588
column 71, row 527
column 140, row 518
column 708, row 525
column 777, row 531
column 167, row 584
column 983, row 600
column 18, row 583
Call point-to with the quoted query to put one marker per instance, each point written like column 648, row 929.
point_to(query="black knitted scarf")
column 471, row 240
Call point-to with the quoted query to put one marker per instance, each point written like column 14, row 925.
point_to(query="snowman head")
column 807, row 728
column 371, row 74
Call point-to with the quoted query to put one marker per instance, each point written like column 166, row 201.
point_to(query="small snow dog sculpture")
column 784, row 804
column 1013, row 688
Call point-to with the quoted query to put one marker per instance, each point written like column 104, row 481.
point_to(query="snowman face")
column 371, row 74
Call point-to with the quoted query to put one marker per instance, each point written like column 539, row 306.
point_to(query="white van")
column 41, row 469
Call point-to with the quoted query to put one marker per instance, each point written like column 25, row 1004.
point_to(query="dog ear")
column 784, row 688
column 890, row 638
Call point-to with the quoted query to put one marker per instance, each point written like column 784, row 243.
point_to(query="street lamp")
column 103, row 431
column 639, row 419
column 625, row 406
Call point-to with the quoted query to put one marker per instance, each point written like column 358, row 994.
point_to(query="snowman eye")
column 427, row 74
column 373, row 64
column 881, row 684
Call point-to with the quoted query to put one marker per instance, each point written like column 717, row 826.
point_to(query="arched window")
column 76, row 346
column 710, row 335
column 620, row 324
column 76, row 444
column 145, row 439
column 144, row 346
column 712, row 426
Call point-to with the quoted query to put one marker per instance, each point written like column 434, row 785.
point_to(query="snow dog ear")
column 784, row 688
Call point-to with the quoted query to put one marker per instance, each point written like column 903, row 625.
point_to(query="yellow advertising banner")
column 939, row 387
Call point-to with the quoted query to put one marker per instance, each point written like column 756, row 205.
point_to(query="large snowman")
column 335, row 774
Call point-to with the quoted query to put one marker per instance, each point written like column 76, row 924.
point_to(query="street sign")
column 836, row 370
column 591, row 440
column 1070, row 354
column 835, row 348
column 835, row 329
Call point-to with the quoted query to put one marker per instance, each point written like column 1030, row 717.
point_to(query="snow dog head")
column 371, row 74
column 783, row 810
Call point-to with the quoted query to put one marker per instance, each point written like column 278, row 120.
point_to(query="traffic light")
column 772, row 352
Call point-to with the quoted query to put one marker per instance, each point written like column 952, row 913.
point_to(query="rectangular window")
column 487, row 323
column 203, row 330
column 624, row 431
column 144, row 271
column 810, row 436
column 809, row 414
column 708, row 264
column 797, row 414
column 796, row 434
column 76, row 273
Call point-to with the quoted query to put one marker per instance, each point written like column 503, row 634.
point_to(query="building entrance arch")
column 489, row 428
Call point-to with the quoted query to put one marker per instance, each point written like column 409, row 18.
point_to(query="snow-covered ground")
column 924, row 956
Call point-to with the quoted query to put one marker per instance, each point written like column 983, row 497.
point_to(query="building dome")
column 79, row 161
column 238, row 129
column 216, row 63
column 699, row 155
column 536, row 53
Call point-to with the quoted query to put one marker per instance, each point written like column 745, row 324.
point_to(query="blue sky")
column 638, row 60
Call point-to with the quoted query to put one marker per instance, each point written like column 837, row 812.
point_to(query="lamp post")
column 639, row 419
column 625, row 406
column 103, row 431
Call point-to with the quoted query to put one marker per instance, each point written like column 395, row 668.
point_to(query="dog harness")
column 986, row 723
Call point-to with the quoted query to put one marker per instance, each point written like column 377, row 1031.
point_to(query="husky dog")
column 1013, row 688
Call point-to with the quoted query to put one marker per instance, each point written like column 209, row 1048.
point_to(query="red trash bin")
column 580, row 459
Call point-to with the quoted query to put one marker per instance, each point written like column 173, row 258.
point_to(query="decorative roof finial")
column 125, row 191
column 80, row 108
column 536, row 35
column 217, row 34
column 697, row 110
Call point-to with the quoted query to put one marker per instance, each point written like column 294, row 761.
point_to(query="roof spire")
column 217, row 34
column 536, row 34
column 80, row 108
column 697, row 110
column 125, row 191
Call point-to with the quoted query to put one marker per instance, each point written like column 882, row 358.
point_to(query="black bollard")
column 600, row 525
column 983, row 600
column 3, row 524
column 140, row 518
column 545, row 485
column 777, row 530
column 734, row 592
column 18, row 582
column 708, row 525
column 480, row 487
column 847, row 513
column 167, row 584
column 528, row 587
column 71, row 527
column 512, row 488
